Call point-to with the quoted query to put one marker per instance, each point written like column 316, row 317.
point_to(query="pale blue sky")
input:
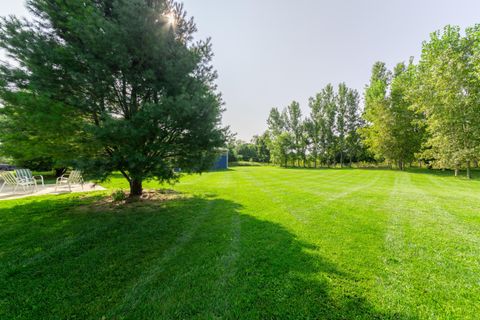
column 270, row 52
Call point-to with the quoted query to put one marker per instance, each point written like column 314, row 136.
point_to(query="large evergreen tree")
column 114, row 85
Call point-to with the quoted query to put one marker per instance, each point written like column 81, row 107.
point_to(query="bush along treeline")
column 257, row 150
column 425, row 113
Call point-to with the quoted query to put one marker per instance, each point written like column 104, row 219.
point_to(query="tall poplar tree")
column 279, row 139
column 294, row 125
column 328, row 109
column 341, row 119
column 448, row 95
column 353, row 123
column 391, row 131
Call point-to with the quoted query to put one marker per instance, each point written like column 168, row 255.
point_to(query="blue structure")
column 222, row 161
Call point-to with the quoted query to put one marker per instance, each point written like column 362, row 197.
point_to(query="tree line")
column 426, row 112
column 327, row 136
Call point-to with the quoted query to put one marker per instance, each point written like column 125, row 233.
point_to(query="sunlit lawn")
column 249, row 243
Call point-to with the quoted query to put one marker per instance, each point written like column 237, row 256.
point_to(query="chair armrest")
column 38, row 177
column 62, row 178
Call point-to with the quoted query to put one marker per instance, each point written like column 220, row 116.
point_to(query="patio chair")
column 74, row 177
column 10, row 179
column 26, row 174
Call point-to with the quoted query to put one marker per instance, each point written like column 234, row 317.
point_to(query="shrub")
column 119, row 195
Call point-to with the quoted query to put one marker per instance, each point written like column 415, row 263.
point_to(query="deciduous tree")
column 448, row 95
column 391, row 131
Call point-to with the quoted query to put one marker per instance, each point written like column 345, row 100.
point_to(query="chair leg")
column 69, row 187
column 3, row 185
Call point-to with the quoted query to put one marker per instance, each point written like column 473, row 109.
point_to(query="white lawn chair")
column 26, row 174
column 74, row 177
column 9, row 179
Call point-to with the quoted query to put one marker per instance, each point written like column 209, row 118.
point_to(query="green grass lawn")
column 250, row 243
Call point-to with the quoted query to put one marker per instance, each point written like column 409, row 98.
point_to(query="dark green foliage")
column 257, row 150
column 110, row 85
column 119, row 195
column 261, row 145
column 246, row 152
column 39, row 164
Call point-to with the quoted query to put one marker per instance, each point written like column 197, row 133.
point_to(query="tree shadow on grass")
column 475, row 172
column 192, row 258
column 446, row 173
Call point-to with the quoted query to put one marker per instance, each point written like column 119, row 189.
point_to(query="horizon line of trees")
column 327, row 136
column 426, row 112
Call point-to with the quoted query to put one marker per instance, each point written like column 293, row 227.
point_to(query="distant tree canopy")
column 109, row 86
column 427, row 112
column 329, row 135
column 256, row 151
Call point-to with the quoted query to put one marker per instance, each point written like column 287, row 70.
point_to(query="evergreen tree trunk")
column 456, row 170
column 136, row 188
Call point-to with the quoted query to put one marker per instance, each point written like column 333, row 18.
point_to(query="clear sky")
column 270, row 52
